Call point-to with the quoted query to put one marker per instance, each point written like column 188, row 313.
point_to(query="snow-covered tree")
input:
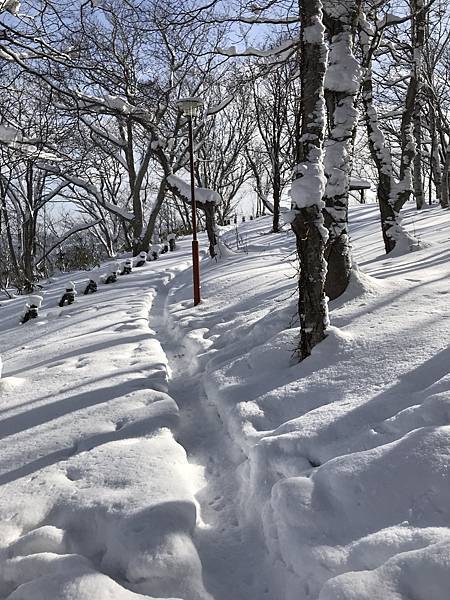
column 342, row 84
column 309, row 184
column 395, row 181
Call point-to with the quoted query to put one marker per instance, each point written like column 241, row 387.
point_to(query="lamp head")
column 190, row 105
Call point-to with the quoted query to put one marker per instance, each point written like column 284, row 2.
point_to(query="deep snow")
column 154, row 449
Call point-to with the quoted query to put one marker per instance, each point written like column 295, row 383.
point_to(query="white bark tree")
column 342, row 84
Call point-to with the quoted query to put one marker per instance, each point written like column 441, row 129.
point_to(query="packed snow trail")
column 232, row 555
column 342, row 461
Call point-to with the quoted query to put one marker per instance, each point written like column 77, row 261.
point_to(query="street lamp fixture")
column 189, row 107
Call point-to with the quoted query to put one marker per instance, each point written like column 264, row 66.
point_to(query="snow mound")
column 361, row 283
column 422, row 574
column 44, row 576
column 393, row 484
column 342, row 460
column 8, row 384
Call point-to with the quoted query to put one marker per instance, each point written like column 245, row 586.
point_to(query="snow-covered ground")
column 150, row 449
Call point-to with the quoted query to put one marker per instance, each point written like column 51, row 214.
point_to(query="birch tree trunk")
column 435, row 153
column 419, row 192
column 309, row 181
column 342, row 82
column 393, row 194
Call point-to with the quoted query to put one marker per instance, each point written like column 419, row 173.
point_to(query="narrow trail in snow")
column 232, row 555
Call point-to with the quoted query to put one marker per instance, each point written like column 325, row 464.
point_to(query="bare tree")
column 220, row 163
column 272, row 154
column 121, row 79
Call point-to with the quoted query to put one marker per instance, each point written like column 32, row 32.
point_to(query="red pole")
column 195, row 257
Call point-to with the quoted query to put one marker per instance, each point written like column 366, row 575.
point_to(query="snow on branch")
column 66, row 235
column 13, row 138
column 250, row 51
column 390, row 19
column 356, row 183
column 109, row 102
column 9, row 135
column 11, row 6
column 91, row 189
column 213, row 110
column 259, row 20
column 183, row 189
column 256, row 19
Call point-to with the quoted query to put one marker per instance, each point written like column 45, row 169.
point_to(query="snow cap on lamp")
column 190, row 105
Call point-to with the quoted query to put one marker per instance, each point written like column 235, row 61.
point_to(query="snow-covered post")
column 69, row 295
column 92, row 285
column 31, row 310
column 141, row 259
column 309, row 181
column 127, row 267
column 342, row 82
column 155, row 250
column 112, row 275
column 171, row 238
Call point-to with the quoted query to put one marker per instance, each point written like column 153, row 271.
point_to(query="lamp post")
column 189, row 107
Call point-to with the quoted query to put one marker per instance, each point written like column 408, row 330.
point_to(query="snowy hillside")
column 150, row 449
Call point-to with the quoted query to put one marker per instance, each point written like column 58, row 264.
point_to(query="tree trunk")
column 210, row 211
column 435, row 159
column 29, row 231
column 276, row 191
column 443, row 199
column 12, row 251
column 144, row 243
column 419, row 192
column 342, row 82
column 393, row 195
column 308, row 185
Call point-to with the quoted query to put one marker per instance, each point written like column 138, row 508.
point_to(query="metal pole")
column 195, row 257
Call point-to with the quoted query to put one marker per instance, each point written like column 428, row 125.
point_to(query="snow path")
column 231, row 554
column 345, row 457
column 96, row 494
